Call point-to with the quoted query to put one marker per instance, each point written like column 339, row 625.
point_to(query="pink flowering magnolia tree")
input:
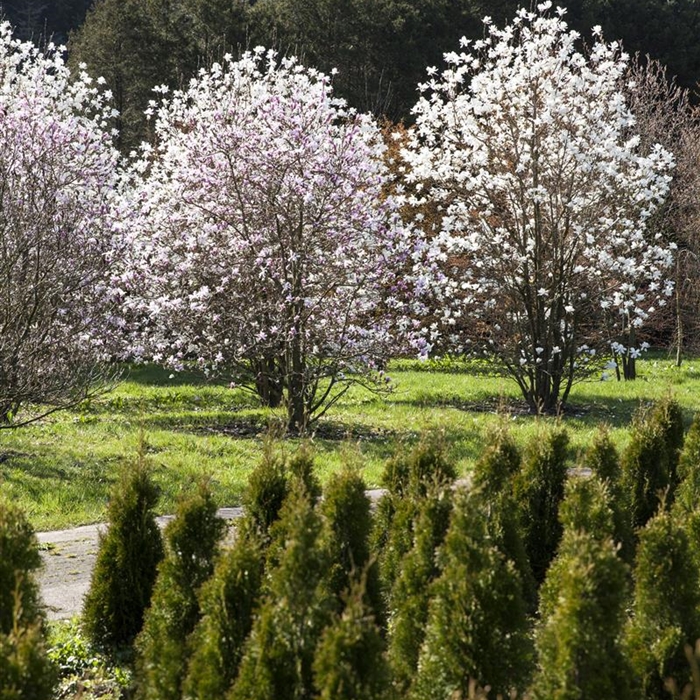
column 528, row 148
column 265, row 244
column 57, row 177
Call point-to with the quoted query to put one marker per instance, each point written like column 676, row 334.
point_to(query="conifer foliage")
column 650, row 463
column 411, row 592
column 127, row 560
column 539, row 489
column 25, row 670
column 408, row 477
column 347, row 526
column 278, row 660
column 582, row 604
column 666, row 610
column 349, row 663
column 191, row 544
column 477, row 626
column 228, row 602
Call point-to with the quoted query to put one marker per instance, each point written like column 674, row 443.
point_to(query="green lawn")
column 60, row 470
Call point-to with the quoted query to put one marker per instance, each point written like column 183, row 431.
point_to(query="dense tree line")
column 380, row 47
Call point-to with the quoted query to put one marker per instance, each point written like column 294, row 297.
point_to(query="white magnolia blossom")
column 529, row 149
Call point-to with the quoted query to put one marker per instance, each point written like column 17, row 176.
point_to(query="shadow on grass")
column 155, row 375
column 376, row 442
column 589, row 409
column 26, row 466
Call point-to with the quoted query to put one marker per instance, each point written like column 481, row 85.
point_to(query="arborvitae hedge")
column 582, row 603
column 127, row 561
column 587, row 507
column 408, row 478
column 19, row 561
column 669, row 416
column 267, row 488
column 666, row 610
column 539, row 489
column 191, row 543
column 301, row 469
column 25, row 670
column 498, row 465
column 494, row 476
column 603, row 460
column 411, row 593
column 688, row 491
column 349, row 663
column 228, row 602
column 415, row 471
column 582, row 614
column 650, row 462
column 278, row 658
column 477, row 625
column 347, row 527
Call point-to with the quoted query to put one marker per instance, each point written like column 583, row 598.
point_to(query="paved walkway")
column 69, row 557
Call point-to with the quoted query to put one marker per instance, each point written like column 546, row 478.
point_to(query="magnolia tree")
column 264, row 244
column 57, row 173
column 528, row 147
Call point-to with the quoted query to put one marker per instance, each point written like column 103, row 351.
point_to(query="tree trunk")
column 269, row 383
column 297, row 418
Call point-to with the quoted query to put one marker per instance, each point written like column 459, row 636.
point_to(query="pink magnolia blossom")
column 263, row 241
column 57, row 180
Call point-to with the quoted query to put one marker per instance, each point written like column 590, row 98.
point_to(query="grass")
column 61, row 470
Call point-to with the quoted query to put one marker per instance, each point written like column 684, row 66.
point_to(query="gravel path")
column 69, row 556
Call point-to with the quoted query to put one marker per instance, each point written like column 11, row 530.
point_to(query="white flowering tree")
column 57, row 175
column 264, row 244
column 528, row 147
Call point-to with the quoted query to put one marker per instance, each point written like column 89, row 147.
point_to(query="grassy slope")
column 60, row 470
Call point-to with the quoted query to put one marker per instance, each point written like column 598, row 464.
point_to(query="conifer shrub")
column 410, row 595
column 494, row 477
column 650, row 462
column 277, row 663
column 498, row 465
column 408, row 478
column 267, row 488
column 25, row 669
column 538, row 491
column 688, row 491
column 603, row 460
column 477, row 625
column 587, row 507
column 666, row 607
column 414, row 471
column 228, row 601
column 19, row 562
column 582, row 611
column 669, row 416
column 127, row 560
column 191, row 543
column 347, row 520
column 349, row 663
column 300, row 467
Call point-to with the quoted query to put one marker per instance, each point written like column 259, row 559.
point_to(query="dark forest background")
column 380, row 47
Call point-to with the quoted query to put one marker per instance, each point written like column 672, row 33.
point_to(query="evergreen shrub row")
column 543, row 577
